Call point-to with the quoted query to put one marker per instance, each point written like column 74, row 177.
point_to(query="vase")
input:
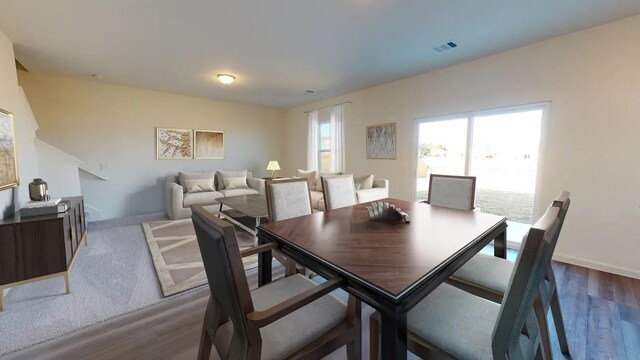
column 38, row 190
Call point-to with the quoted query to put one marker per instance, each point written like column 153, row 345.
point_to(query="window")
column 324, row 145
column 499, row 147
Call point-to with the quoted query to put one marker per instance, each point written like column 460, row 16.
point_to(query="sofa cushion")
column 365, row 182
column 196, row 181
column 317, row 200
column 231, row 183
column 236, row 192
column 220, row 175
column 201, row 198
column 311, row 175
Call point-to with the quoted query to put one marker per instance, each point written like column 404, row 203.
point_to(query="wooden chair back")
column 288, row 198
column 516, row 312
column 230, row 296
column 452, row 191
column 338, row 191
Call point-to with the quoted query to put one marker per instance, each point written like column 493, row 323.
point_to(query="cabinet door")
column 43, row 248
column 78, row 221
column 68, row 240
column 71, row 215
column 81, row 219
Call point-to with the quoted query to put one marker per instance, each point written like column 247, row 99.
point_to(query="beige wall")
column 592, row 148
column 115, row 125
column 12, row 100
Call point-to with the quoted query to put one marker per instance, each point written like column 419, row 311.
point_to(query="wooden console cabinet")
column 40, row 247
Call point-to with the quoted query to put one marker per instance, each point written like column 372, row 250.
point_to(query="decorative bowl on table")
column 383, row 211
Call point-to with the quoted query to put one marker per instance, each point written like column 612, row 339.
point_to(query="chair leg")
column 374, row 337
column 354, row 310
column 206, row 343
column 541, row 316
column 559, row 322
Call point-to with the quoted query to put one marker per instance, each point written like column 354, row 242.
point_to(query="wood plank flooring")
column 601, row 312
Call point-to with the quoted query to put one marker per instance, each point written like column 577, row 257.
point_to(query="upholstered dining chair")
column 452, row 191
column 488, row 276
column 288, row 198
column 338, row 191
column 289, row 318
column 457, row 324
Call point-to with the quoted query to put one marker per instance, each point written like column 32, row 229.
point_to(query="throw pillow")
column 311, row 175
column 365, row 181
column 220, row 175
column 325, row 174
column 196, row 182
column 231, row 183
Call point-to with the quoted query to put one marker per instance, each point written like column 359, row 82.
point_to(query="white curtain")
column 337, row 139
column 312, row 142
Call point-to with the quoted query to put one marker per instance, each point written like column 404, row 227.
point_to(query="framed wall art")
column 209, row 144
column 8, row 156
column 381, row 141
column 174, row 144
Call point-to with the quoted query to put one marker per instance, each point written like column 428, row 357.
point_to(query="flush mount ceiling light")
column 226, row 78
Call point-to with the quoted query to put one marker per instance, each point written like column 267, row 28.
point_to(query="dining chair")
column 289, row 318
column 452, row 191
column 457, row 324
column 488, row 276
column 338, row 191
column 288, row 198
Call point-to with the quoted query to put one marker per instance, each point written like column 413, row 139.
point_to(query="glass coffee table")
column 244, row 206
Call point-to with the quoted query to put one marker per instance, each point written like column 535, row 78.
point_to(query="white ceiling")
column 278, row 49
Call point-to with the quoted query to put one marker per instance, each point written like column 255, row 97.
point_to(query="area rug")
column 176, row 256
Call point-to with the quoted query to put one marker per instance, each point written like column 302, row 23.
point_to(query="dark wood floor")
column 601, row 312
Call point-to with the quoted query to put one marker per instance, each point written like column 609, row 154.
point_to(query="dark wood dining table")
column 389, row 265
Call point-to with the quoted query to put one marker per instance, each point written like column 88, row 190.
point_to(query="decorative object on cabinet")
column 8, row 158
column 40, row 247
column 38, row 190
column 174, row 144
column 381, row 141
column 209, row 144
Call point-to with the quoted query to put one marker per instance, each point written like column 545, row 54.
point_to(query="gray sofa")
column 380, row 190
column 178, row 202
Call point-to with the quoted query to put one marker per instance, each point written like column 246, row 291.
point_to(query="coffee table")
column 254, row 206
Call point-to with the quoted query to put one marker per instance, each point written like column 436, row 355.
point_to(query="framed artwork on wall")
column 209, row 144
column 174, row 144
column 381, row 141
column 8, row 157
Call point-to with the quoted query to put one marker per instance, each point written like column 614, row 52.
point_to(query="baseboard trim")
column 597, row 265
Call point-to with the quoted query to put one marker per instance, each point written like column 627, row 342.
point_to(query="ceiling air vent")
column 444, row 47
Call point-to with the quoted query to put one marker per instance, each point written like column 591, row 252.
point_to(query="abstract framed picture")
column 174, row 144
column 209, row 144
column 8, row 157
column 381, row 141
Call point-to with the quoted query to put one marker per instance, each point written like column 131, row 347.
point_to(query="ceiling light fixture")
column 226, row 78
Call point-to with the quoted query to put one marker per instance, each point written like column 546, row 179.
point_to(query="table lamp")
column 273, row 167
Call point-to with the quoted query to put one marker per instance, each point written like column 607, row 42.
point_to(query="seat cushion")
column 317, row 200
column 236, row 192
column 455, row 321
column 486, row 271
column 201, row 198
column 289, row 334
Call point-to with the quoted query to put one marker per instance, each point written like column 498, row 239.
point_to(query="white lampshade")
column 273, row 166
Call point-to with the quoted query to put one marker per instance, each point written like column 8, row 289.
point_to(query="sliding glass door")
column 499, row 147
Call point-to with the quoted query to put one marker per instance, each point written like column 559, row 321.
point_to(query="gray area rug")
column 113, row 275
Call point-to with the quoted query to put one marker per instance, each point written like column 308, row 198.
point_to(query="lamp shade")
column 273, row 166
